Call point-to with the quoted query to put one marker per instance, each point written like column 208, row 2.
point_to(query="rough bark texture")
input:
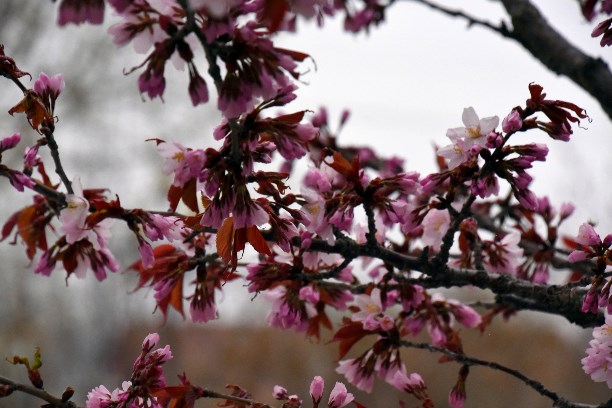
column 534, row 33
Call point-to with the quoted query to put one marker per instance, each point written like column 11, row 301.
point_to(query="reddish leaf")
column 295, row 55
column 274, row 12
column 174, row 196
column 342, row 166
column 257, row 240
column 9, row 225
column 349, row 334
column 190, row 195
column 175, row 391
column 292, row 118
column 174, row 299
column 33, row 107
column 225, row 239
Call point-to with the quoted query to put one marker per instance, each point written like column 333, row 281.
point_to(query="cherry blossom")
column 435, row 225
column 598, row 362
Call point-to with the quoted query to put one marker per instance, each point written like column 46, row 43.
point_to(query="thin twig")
column 471, row 361
column 38, row 393
column 472, row 21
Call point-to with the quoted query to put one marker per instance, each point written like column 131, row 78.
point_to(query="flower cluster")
column 147, row 378
column 598, row 362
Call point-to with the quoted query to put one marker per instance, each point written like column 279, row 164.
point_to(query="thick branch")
column 564, row 300
column 533, row 32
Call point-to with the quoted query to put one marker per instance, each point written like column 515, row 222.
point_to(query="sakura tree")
column 355, row 235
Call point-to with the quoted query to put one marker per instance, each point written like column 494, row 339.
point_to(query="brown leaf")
column 225, row 240
column 257, row 240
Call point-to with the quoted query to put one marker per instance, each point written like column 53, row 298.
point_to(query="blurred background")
column 405, row 83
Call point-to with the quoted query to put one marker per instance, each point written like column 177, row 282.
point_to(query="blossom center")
column 473, row 131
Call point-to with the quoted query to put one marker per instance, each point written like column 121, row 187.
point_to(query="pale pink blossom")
column 460, row 151
column 464, row 313
column 407, row 383
column 476, row 130
column 316, row 389
column 280, row 393
column 355, row 375
column 435, row 225
column 505, row 255
column 99, row 397
column 587, row 235
column 202, row 307
column 598, row 362
column 371, row 312
column 184, row 163
column 339, row 396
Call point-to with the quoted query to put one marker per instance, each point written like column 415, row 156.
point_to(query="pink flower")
column 435, row 225
column 286, row 314
column 505, row 255
column 456, row 397
column 591, row 242
column 316, row 389
column 198, row 91
column 407, row 383
column 146, row 254
column 186, row 164
column 53, row 85
column 202, row 307
column 20, row 180
column 309, row 294
column 371, row 312
column 587, row 236
column 604, row 28
column 280, row 393
column 598, row 362
column 73, row 216
column 464, row 314
column 512, row 122
column 10, row 141
column 45, row 264
column 152, row 83
column 99, row 397
column 457, row 153
column 354, row 373
column 339, row 396
column 476, row 130
column 81, row 11
column 31, row 157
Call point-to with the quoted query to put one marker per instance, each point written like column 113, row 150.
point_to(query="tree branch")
column 38, row 393
column 472, row 21
column 532, row 31
column 471, row 361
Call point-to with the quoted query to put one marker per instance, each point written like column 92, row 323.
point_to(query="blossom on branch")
column 598, row 362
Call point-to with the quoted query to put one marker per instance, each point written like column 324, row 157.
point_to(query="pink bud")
column 587, row 235
column 316, row 389
column 10, row 141
column 279, row 393
column 512, row 122
column 149, row 342
column 339, row 397
column 566, row 210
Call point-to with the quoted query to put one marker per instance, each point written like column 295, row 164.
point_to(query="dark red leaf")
column 257, row 240
column 349, row 334
column 225, row 239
